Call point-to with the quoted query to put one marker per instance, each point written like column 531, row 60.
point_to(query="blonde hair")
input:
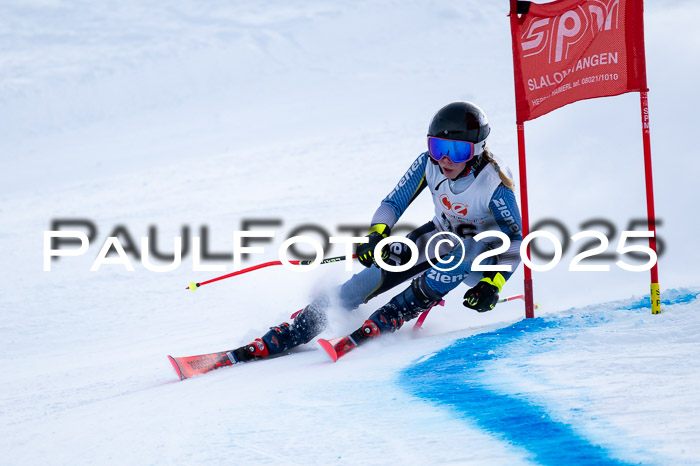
column 505, row 179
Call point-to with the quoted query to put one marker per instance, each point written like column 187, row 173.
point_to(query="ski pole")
column 193, row 285
column 419, row 323
column 517, row 296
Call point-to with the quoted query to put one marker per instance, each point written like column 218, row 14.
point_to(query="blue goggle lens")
column 457, row 151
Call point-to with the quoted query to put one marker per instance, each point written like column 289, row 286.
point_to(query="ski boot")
column 307, row 323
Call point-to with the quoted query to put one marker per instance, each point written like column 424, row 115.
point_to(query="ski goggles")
column 457, row 151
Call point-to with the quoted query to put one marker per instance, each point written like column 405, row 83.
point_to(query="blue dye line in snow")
column 675, row 297
column 454, row 378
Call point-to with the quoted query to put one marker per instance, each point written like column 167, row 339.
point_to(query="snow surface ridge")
column 529, row 384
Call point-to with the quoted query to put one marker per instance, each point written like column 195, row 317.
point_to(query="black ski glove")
column 365, row 252
column 484, row 296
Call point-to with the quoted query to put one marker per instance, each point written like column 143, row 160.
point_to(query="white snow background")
column 189, row 113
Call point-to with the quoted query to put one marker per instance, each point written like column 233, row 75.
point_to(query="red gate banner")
column 570, row 50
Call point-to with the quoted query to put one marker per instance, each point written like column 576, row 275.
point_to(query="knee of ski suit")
column 353, row 292
column 373, row 281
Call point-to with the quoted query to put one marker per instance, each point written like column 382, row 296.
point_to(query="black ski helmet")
column 461, row 121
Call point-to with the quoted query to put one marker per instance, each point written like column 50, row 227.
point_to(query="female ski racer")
column 472, row 192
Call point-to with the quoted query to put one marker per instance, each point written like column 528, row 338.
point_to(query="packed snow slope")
column 194, row 118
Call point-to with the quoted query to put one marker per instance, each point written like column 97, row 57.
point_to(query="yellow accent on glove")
column 365, row 251
column 380, row 228
column 498, row 281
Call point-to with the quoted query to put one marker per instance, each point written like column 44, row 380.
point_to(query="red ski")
column 338, row 347
column 189, row 366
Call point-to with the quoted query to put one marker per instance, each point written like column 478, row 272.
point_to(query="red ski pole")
column 419, row 323
column 193, row 285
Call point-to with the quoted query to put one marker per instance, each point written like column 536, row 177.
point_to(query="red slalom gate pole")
column 193, row 286
column 651, row 215
column 527, row 285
